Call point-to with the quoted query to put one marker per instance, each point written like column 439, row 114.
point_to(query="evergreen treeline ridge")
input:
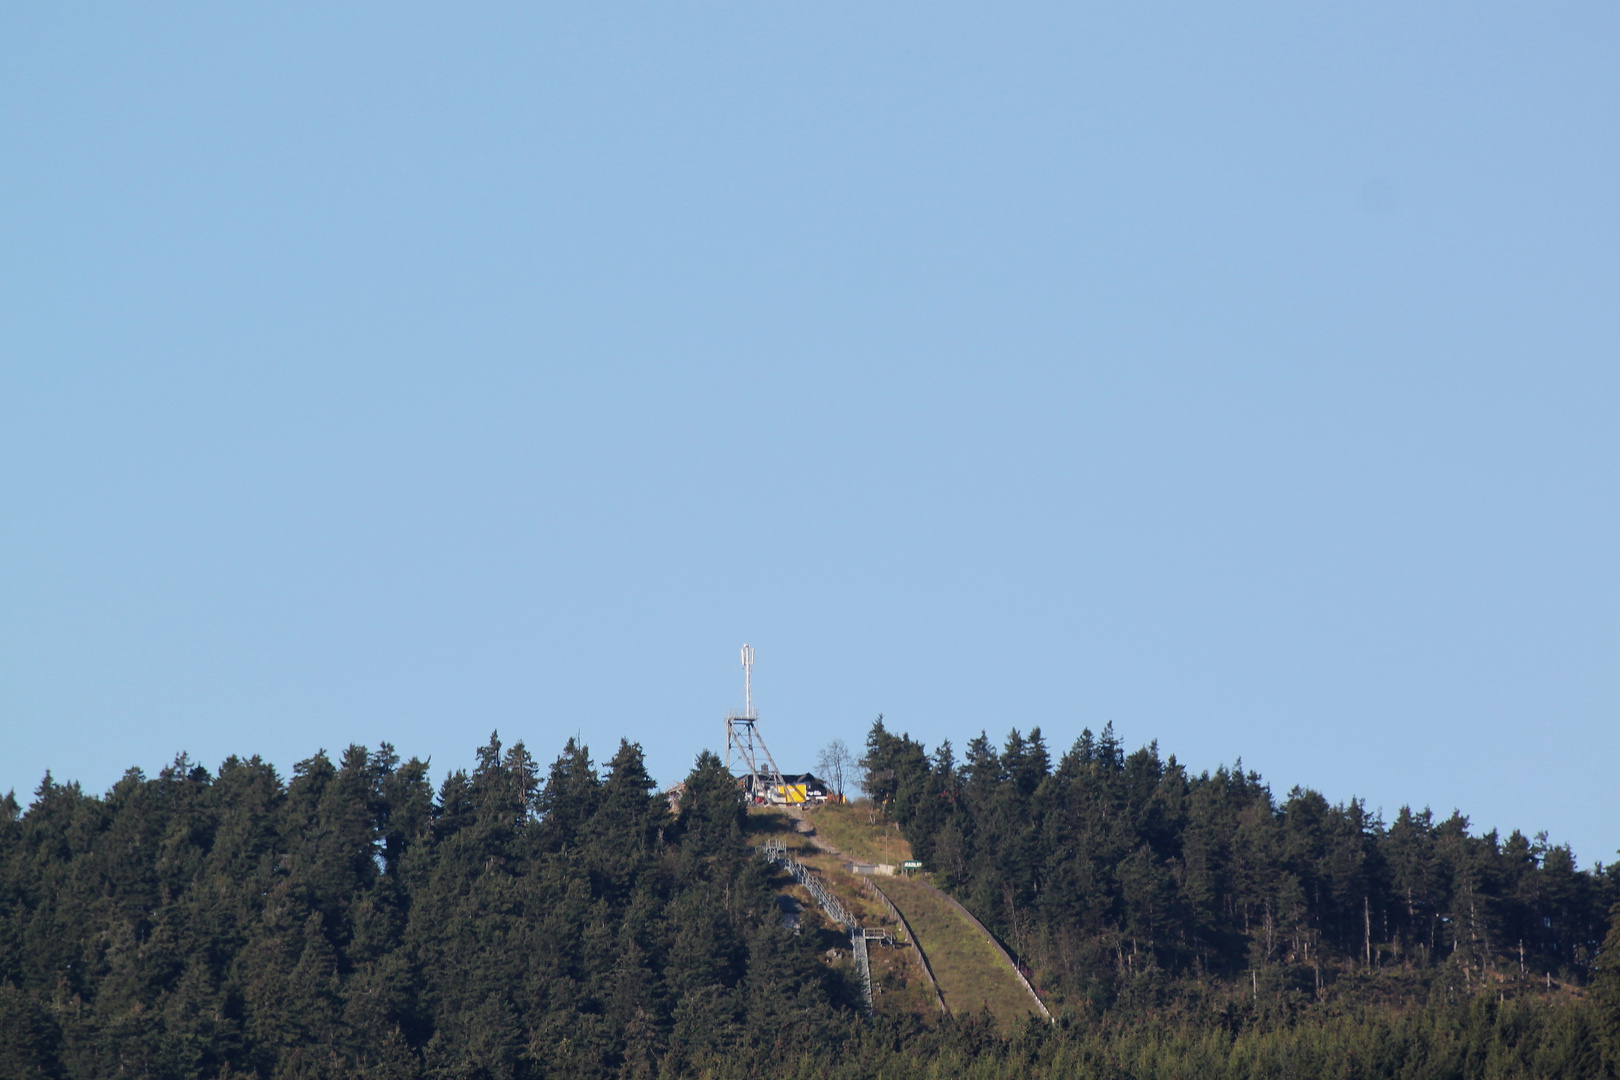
column 519, row 922
column 351, row 923
column 1123, row 878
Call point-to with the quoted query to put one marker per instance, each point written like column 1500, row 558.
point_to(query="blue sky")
column 1245, row 378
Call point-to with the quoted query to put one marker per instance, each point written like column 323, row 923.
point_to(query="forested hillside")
column 1123, row 879
column 352, row 921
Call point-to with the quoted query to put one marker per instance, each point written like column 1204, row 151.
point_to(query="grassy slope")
column 971, row 975
column 850, row 828
column 898, row 984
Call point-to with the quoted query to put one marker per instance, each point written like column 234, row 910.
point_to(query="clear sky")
column 1247, row 378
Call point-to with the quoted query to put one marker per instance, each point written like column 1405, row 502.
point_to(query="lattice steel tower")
column 744, row 743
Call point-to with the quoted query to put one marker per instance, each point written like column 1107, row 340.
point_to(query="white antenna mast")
column 748, row 682
column 745, row 745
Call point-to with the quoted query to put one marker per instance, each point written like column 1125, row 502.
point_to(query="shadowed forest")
column 523, row 921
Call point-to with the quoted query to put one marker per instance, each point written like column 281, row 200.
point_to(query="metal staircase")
column 775, row 851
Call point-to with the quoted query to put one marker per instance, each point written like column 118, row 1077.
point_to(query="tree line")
column 1121, row 877
column 520, row 922
column 354, row 922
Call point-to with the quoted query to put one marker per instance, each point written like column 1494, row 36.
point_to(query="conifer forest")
column 525, row 920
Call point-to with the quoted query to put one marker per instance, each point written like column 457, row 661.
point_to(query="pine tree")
column 1606, row 992
column 29, row 1038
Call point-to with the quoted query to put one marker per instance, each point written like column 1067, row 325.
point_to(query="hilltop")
column 525, row 922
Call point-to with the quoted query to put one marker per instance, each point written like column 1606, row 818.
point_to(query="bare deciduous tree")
column 835, row 764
